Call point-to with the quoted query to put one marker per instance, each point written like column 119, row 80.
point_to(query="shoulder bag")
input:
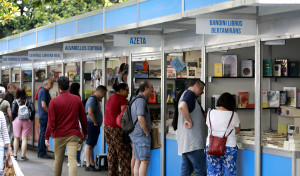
column 217, row 144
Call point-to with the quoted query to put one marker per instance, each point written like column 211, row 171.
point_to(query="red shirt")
column 113, row 109
column 63, row 114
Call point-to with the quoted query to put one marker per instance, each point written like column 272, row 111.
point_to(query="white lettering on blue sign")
column 138, row 41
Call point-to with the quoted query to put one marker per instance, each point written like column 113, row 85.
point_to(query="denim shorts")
column 141, row 147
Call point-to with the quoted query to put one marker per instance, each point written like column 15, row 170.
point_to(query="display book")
column 229, row 66
column 286, row 97
column 280, row 68
column 192, row 67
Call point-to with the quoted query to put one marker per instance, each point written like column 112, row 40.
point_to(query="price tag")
column 177, row 64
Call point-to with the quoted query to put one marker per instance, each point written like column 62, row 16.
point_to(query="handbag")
column 8, row 168
column 217, row 144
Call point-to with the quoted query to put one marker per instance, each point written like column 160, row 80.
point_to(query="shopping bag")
column 18, row 171
column 8, row 169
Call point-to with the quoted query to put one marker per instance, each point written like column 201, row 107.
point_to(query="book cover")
column 293, row 68
column 192, row 64
column 87, row 76
column 153, row 98
column 72, row 76
column 298, row 99
column 273, row 98
column 264, row 96
column 243, row 98
column 198, row 73
column 267, row 67
column 284, row 66
column 291, row 95
column 277, row 70
column 182, row 73
column 171, row 58
column 218, row 70
column 171, row 73
column 41, row 75
column 247, row 66
column 229, row 65
column 214, row 100
column 5, row 78
column 27, row 75
column 170, row 87
column 191, row 72
column 154, row 71
column 139, row 70
column 283, row 98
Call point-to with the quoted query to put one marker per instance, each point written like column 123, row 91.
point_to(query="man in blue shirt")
column 94, row 118
column 140, row 136
column 43, row 104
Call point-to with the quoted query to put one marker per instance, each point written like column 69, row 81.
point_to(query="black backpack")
column 175, row 119
column 176, row 101
column 126, row 122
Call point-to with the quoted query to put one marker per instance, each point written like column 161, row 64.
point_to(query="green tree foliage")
column 36, row 13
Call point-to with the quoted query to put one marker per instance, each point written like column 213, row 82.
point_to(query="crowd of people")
column 71, row 121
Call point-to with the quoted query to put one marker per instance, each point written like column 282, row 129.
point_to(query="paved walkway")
column 44, row 167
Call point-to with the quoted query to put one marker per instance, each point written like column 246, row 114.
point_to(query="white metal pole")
column 104, row 99
column 258, row 107
column 163, row 107
column 81, row 78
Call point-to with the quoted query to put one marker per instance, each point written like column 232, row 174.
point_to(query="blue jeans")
column 41, row 145
column 1, row 159
column 194, row 161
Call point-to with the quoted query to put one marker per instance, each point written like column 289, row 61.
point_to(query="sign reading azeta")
column 137, row 40
column 225, row 26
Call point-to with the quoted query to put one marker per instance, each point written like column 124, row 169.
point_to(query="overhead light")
column 176, row 54
column 275, row 42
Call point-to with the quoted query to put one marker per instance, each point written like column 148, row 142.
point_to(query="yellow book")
column 218, row 70
column 282, row 129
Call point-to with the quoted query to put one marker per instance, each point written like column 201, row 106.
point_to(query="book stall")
column 249, row 49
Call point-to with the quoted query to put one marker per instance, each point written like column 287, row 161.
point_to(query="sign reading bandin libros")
column 137, row 40
column 44, row 55
column 225, row 26
column 82, row 47
column 15, row 59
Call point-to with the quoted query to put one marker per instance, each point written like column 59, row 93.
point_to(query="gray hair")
column 46, row 81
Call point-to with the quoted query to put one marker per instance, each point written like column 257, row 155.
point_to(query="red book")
column 243, row 98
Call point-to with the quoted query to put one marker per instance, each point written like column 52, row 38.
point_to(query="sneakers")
column 45, row 157
column 90, row 168
column 24, row 158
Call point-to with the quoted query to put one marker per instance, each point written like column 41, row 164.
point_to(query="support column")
column 163, row 109
column 130, row 75
column 104, row 99
column 1, row 73
column 10, row 74
column 21, row 76
column 258, row 107
column 203, row 71
column 81, row 79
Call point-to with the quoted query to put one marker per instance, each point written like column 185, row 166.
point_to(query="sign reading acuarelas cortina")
column 82, row 47
column 217, row 26
column 137, row 40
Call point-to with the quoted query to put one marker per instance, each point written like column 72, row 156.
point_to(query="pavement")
column 44, row 167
